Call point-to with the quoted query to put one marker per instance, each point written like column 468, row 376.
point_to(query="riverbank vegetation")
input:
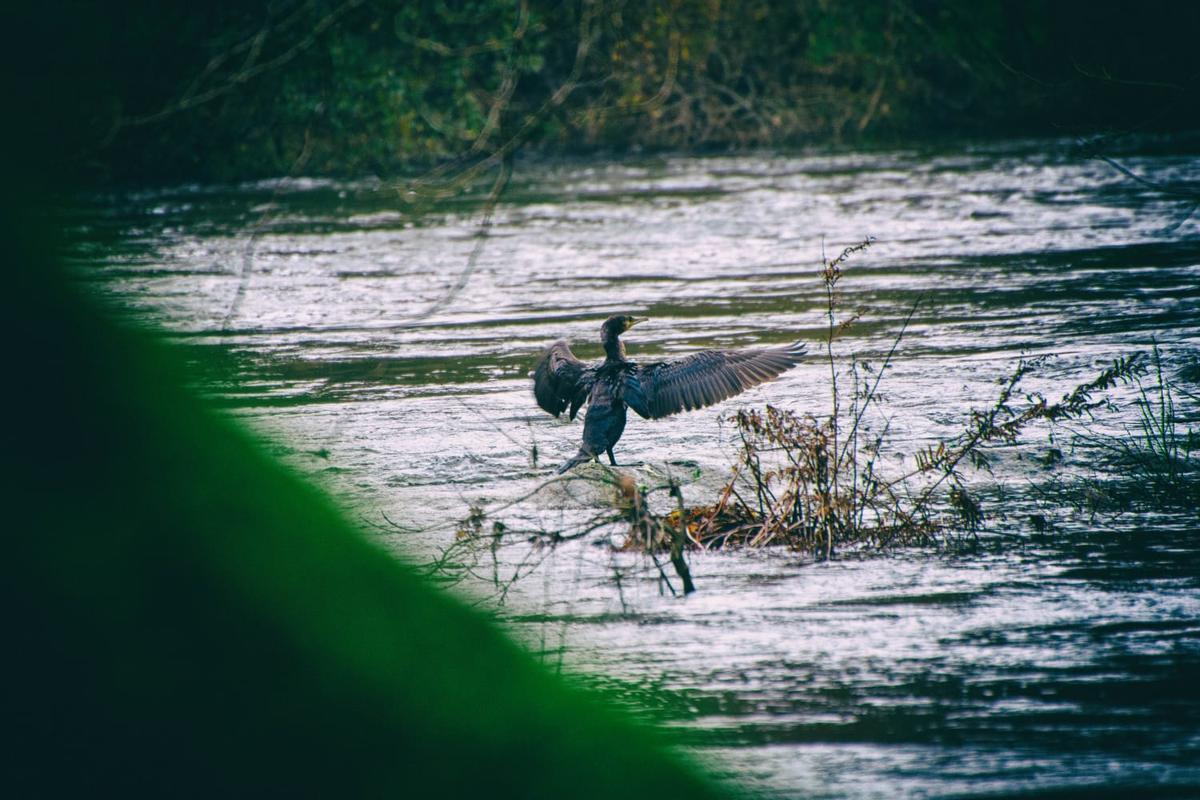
column 158, row 92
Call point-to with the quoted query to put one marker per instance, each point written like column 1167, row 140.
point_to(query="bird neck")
column 614, row 348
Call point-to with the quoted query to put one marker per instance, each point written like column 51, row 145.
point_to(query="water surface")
column 356, row 333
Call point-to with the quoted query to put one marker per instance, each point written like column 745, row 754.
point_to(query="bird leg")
column 613, row 460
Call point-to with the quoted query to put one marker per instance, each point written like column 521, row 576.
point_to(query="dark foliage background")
column 150, row 91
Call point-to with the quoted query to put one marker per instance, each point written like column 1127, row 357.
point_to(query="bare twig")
column 250, row 69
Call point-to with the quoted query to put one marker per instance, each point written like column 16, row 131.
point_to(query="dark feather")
column 703, row 378
column 561, row 382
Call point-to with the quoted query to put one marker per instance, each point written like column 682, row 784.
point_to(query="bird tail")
column 579, row 458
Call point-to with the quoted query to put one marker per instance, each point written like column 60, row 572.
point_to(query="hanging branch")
column 250, row 69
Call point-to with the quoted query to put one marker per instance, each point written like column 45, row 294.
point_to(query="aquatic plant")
column 820, row 483
column 793, row 485
column 1153, row 462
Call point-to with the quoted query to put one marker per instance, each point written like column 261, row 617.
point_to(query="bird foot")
column 630, row 464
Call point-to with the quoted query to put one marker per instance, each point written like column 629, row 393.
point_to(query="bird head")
column 618, row 324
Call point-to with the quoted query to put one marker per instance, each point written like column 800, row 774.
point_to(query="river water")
column 382, row 349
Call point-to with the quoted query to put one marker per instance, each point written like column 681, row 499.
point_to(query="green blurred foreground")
column 185, row 617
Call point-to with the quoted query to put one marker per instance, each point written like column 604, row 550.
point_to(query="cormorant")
column 561, row 382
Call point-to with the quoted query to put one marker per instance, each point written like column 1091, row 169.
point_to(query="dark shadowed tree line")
column 228, row 89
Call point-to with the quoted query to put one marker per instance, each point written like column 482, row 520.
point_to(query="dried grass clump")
column 791, row 485
column 788, row 487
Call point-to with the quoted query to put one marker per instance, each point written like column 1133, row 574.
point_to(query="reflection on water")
column 1066, row 659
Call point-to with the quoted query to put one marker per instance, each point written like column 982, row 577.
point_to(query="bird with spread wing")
column 561, row 382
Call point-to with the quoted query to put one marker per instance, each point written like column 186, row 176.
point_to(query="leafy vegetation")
column 157, row 92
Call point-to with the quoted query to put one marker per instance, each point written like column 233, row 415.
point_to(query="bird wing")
column 561, row 381
column 703, row 378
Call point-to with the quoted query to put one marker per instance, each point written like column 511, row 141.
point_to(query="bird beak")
column 636, row 320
